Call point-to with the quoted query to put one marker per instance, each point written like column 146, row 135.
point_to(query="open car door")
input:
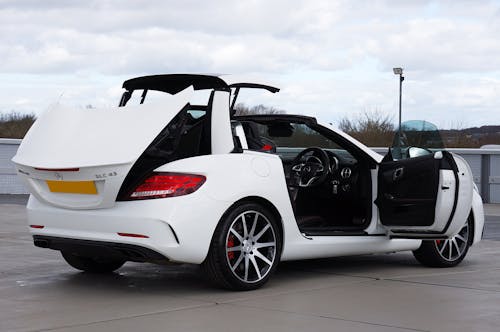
column 426, row 195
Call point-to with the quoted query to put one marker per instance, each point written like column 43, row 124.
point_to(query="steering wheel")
column 312, row 167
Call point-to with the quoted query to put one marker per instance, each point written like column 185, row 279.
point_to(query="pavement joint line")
column 440, row 273
column 287, row 292
column 280, row 293
column 441, row 285
column 122, row 318
column 333, row 318
column 337, row 274
column 486, row 252
column 402, row 276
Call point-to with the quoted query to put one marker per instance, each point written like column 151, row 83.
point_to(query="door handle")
column 445, row 187
column 398, row 173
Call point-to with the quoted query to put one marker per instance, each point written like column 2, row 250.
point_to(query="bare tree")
column 242, row 109
column 372, row 128
column 15, row 124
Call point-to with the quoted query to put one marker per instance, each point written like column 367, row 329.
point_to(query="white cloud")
column 331, row 57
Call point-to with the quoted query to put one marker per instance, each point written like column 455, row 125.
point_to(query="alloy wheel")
column 250, row 246
column 453, row 248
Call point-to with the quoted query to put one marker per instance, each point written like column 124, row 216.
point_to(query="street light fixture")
column 399, row 71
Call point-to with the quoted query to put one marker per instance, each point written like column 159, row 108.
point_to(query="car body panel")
column 65, row 137
column 222, row 138
column 107, row 179
column 478, row 215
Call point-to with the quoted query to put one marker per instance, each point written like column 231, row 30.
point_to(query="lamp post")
column 399, row 71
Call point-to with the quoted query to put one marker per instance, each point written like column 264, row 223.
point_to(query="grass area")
column 15, row 125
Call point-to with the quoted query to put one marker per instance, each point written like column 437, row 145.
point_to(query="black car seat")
column 255, row 141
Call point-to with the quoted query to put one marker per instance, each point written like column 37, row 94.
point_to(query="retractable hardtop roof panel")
column 174, row 83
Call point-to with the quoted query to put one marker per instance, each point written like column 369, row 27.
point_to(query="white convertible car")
column 167, row 180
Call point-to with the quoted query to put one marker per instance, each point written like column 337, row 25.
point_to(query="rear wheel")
column 95, row 265
column 245, row 248
column 446, row 253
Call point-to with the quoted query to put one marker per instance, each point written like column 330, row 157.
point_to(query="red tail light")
column 58, row 169
column 162, row 185
column 134, row 235
column 37, row 226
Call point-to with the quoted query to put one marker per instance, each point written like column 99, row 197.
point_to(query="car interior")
column 329, row 183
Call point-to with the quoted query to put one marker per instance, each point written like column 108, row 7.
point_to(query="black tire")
column 93, row 265
column 446, row 253
column 218, row 263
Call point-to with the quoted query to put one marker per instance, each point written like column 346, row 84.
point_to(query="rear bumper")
column 89, row 248
column 179, row 228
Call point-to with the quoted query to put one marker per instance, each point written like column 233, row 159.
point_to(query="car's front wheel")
column 245, row 248
column 446, row 253
column 94, row 265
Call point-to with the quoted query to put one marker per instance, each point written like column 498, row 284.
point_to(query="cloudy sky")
column 331, row 58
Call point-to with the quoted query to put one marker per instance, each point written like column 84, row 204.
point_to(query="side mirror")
column 418, row 152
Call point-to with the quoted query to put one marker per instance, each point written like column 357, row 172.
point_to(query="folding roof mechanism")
column 174, row 83
column 238, row 86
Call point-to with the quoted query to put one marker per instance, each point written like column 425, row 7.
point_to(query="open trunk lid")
column 78, row 158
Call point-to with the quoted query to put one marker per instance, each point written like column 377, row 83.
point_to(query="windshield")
column 416, row 134
column 295, row 135
column 419, row 133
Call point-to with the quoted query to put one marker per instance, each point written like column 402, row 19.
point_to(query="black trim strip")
column 454, row 167
column 417, row 237
column 175, row 234
column 269, row 88
column 335, row 233
column 90, row 248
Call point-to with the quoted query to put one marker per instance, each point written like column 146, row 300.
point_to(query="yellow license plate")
column 72, row 187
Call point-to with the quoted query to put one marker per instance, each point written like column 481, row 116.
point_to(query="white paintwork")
column 478, row 214
column 334, row 246
column 72, row 138
column 445, row 199
column 222, row 137
column 65, row 137
column 240, row 133
column 230, row 177
column 465, row 196
column 108, row 180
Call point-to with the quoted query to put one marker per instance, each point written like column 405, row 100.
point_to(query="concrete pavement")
column 39, row 292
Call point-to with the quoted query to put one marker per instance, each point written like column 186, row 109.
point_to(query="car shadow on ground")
column 187, row 279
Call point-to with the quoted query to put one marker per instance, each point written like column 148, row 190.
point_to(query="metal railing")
column 485, row 165
column 9, row 182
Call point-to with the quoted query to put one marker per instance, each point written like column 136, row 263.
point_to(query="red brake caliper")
column 230, row 244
